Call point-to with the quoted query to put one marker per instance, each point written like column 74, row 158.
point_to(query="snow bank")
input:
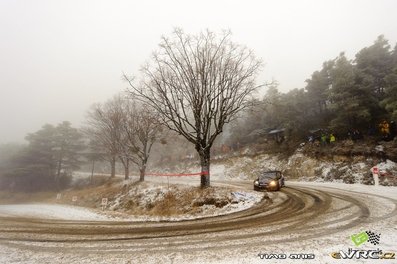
column 151, row 201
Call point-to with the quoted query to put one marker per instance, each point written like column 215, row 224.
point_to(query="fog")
column 59, row 57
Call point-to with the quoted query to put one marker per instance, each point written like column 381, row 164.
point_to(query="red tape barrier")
column 387, row 175
column 178, row 174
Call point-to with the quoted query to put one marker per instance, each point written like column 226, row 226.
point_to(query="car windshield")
column 268, row 175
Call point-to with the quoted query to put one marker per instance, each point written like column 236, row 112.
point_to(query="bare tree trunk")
column 58, row 175
column 126, row 169
column 126, row 164
column 59, row 167
column 52, row 173
column 142, row 171
column 113, row 167
column 205, row 167
column 92, row 171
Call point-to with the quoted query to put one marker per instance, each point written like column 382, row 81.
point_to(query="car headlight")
column 273, row 183
column 256, row 182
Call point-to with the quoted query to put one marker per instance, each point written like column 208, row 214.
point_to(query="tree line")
column 119, row 130
column 343, row 96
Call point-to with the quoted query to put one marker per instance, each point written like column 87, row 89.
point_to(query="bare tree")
column 93, row 155
column 141, row 128
column 197, row 84
column 105, row 127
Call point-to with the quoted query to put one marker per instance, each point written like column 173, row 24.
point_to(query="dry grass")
column 178, row 201
column 191, row 199
column 166, row 207
column 91, row 196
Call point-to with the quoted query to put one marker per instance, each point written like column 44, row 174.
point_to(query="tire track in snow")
column 297, row 213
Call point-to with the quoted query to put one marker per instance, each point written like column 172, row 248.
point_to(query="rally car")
column 269, row 181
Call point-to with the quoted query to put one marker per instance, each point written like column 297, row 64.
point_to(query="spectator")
column 332, row 138
column 384, row 129
column 356, row 135
column 323, row 139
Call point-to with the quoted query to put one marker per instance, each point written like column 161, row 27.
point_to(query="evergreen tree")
column 318, row 88
column 48, row 160
column 373, row 64
column 318, row 91
column 349, row 101
column 390, row 101
column 296, row 113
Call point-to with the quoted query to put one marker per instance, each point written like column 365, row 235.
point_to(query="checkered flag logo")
column 373, row 238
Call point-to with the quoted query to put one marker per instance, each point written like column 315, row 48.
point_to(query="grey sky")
column 59, row 57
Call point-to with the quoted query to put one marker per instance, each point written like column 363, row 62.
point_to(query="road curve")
column 296, row 213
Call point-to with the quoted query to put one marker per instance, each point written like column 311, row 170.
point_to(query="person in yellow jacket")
column 332, row 138
column 384, row 129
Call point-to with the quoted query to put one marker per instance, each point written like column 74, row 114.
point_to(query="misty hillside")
column 344, row 117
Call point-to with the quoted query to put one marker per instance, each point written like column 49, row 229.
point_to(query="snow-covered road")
column 315, row 219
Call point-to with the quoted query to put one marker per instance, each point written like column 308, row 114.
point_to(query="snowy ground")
column 380, row 201
column 241, row 200
column 380, row 206
column 51, row 211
